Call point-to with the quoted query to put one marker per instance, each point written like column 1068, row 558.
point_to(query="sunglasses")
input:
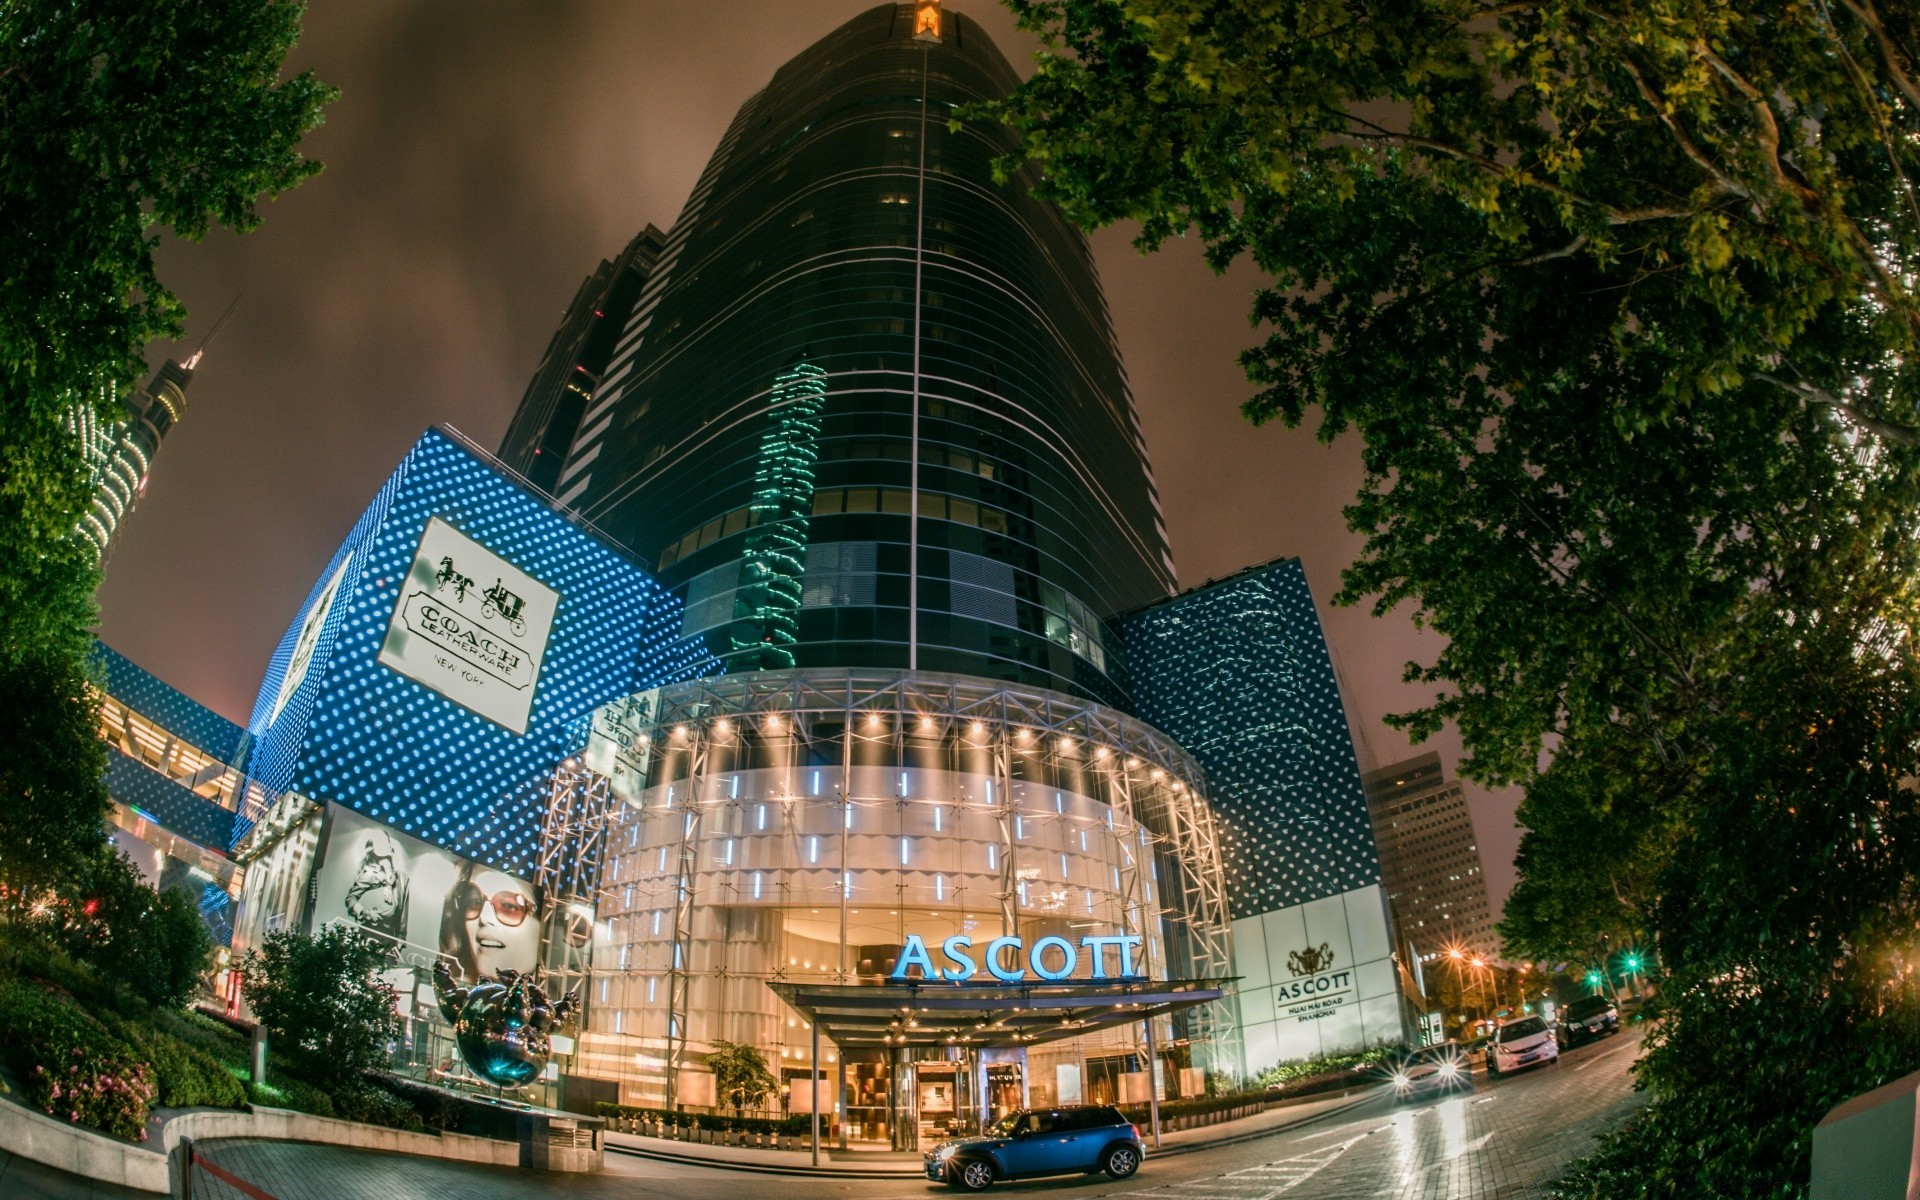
column 509, row 906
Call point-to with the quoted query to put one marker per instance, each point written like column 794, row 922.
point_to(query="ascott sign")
column 1051, row 959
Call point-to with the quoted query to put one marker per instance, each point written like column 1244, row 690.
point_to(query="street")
column 1506, row 1139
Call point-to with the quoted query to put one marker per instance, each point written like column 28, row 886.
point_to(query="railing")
column 201, row 1178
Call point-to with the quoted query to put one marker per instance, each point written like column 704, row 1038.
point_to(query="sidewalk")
column 872, row 1165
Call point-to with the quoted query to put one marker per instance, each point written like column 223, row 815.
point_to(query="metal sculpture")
column 503, row 1025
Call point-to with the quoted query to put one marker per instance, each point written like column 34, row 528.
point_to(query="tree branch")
column 1867, row 15
column 1880, row 427
column 1688, row 147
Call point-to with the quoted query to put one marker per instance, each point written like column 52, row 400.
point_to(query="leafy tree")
column 154, row 944
column 740, row 1074
column 1619, row 298
column 321, row 999
column 116, row 118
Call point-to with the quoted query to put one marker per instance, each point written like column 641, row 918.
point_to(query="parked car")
column 1442, row 1068
column 1523, row 1043
column 1586, row 1018
column 1074, row 1140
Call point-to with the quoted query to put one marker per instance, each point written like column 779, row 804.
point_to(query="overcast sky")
column 483, row 157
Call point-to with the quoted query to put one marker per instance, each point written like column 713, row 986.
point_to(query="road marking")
column 1605, row 1054
column 1261, row 1182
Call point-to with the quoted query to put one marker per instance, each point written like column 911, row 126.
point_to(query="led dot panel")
column 177, row 713
column 1237, row 672
column 359, row 733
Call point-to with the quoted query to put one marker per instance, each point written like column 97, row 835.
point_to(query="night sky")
column 481, row 161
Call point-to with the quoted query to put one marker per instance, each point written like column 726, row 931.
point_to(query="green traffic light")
column 1593, row 977
column 1633, row 962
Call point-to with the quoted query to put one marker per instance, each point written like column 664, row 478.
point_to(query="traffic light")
column 1593, row 979
column 1633, row 962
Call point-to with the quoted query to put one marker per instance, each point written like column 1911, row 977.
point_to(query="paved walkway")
column 1504, row 1141
column 24, row 1179
column 859, row 1164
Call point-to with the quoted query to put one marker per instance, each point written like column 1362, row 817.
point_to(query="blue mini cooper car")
column 1077, row 1140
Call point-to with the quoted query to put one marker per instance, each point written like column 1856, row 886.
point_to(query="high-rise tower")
column 852, row 332
column 120, row 453
column 564, row 384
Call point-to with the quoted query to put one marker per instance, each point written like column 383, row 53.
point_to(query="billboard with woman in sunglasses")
column 430, row 902
column 487, row 923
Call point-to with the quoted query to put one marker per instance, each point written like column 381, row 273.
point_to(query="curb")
column 842, row 1172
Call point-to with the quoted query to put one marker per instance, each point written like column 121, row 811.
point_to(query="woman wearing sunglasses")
column 488, row 923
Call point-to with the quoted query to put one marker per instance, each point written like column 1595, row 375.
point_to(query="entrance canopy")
column 985, row 1015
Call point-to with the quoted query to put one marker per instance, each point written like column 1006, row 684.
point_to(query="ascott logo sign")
column 1009, row 960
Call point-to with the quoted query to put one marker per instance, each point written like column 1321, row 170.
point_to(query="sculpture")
column 503, row 1025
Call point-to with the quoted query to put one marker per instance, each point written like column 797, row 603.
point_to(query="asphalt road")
column 1504, row 1141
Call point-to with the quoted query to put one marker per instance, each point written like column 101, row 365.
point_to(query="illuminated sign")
column 471, row 626
column 1052, row 958
column 309, row 639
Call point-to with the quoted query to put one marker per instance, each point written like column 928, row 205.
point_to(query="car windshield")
column 1429, row 1055
column 1525, row 1027
column 1588, row 1007
column 1004, row 1126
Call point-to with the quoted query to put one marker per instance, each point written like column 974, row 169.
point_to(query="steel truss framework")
column 1151, row 782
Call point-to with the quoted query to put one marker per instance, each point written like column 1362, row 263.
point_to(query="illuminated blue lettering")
column 914, row 953
column 955, row 948
column 1005, row 974
column 1069, row 958
column 1097, row 946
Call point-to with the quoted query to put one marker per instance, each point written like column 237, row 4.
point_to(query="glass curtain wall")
column 800, row 825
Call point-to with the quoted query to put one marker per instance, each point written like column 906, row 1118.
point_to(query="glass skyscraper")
column 857, row 353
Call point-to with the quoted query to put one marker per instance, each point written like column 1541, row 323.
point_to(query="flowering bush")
column 105, row 1088
column 73, row 1068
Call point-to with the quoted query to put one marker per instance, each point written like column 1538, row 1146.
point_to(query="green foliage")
column 73, row 1067
column 321, row 1000
column 290, row 1093
column 152, row 943
column 1289, row 1075
column 1619, row 298
column 356, row 1100
column 186, row 1075
column 740, row 1074
column 793, row 1126
column 119, row 117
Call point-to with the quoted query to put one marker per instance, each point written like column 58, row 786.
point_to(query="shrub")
column 293, row 1094
column 792, row 1126
column 370, row 1105
column 187, row 1075
column 437, row 1109
column 73, row 1067
column 321, row 1000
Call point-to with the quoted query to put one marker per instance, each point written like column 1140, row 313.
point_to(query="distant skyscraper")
column 850, row 311
column 569, row 374
column 1237, row 671
column 1430, row 858
column 120, row 453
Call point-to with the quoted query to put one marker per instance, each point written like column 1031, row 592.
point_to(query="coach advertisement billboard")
column 471, row 626
column 434, row 904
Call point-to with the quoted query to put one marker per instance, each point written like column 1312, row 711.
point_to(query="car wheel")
column 1121, row 1161
column 974, row 1175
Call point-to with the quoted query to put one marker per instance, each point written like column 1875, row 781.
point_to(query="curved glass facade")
column 801, row 826
column 970, row 415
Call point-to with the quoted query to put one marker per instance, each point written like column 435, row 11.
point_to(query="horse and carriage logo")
column 497, row 602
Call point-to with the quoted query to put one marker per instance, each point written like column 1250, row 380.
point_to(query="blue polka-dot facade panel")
column 1237, row 672
column 333, row 723
column 174, row 711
